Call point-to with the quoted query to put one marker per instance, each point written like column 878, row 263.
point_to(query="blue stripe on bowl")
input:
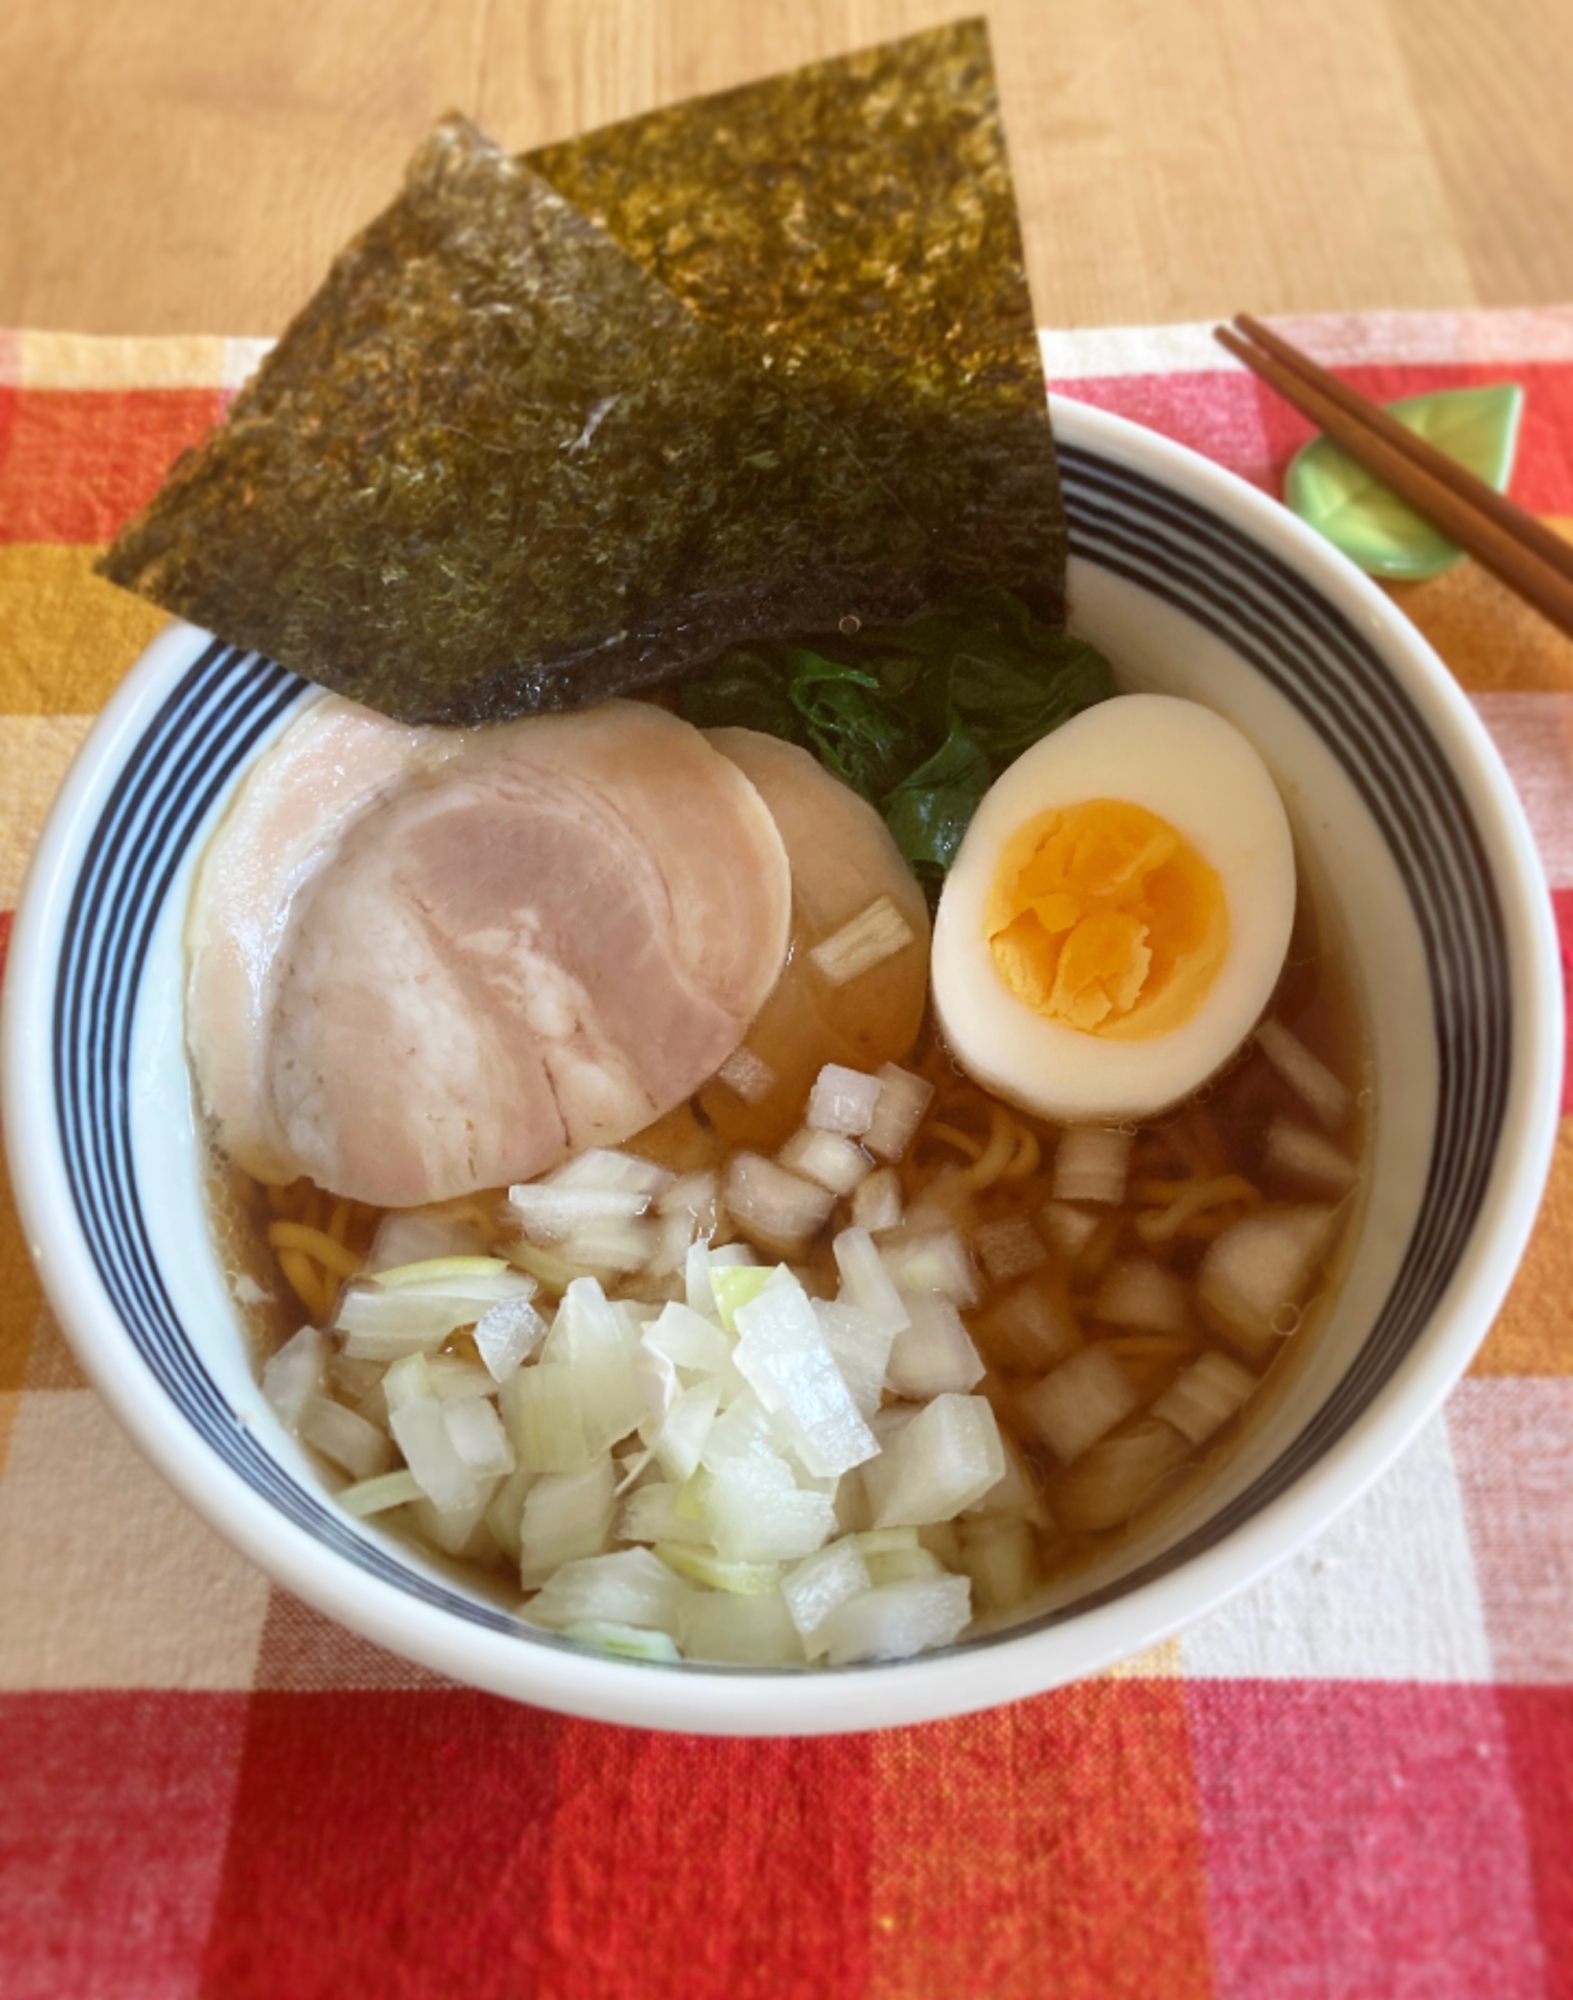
column 1120, row 521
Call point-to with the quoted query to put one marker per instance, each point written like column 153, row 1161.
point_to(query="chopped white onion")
column 904, row 1565
column 561, row 1416
column 691, row 1194
column 898, row 1620
column 1206, row 1396
column 1323, row 1094
column 612, row 1243
column 479, row 1438
column 566, row 1515
column 437, row 1274
column 358, row 1447
column 1091, row 1163
column 1017, row 1493
column 1112, row 1479
column 376, row 1496
column 942, row 1461
column 860, row 1348
column 737, row 1579
column 508, row 1334
column 382, row 1322
column 782, row 1354
column 680, row 1442
column 505, row 1511
column 779, row 1209
column 551, row 1214
column 756, row 1512
column 633, row 1642
column 1031, row 1328
column 652, row 1514
column 865, row 1281
column 1136, row 1292
column 827, row 1158
column 698, row 1265
column 1303, row 1155
column 867, row 940
column 421, row 1432
column 1068, row 1229
column 815, row 1586
column 621, row 1173
column 458, row 1531
column 743, row 1430
column 1000, row 1555
column 629, row 1588
column 293, row 1375
column 1010, row 1248
column 750, row 1076
column 937, row 1260
column 1078, row 1402
column 903, row 1100
column 741, row 1631
column 451, row 1379
column 1255, row 1272
column 876, row 1204
column 842, row 1100
column 419, row 1238
column 933, row 1353
column 688, row 1338
column 587, row 1326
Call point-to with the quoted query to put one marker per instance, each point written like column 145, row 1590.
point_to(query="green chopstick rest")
column 1333, row 493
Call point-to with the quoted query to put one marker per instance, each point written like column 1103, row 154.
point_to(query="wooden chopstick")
column 1513, row 545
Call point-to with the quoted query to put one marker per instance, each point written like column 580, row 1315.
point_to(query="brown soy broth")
column 1220, row 1130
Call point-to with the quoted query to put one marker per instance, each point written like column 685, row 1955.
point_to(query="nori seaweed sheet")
column 855, row 221
column 495, row 466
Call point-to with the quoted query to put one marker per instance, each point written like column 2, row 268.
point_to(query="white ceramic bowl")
column 1194, row 584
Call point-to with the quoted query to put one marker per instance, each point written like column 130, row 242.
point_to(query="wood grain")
column 190, row 165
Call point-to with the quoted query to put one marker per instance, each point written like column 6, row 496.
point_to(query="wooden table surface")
column 190, row 165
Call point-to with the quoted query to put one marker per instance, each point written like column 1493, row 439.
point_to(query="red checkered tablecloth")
column 1355, row 1782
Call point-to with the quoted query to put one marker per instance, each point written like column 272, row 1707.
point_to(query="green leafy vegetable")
column 920, row 718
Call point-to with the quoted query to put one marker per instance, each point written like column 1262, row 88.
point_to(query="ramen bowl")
column 1406, row 826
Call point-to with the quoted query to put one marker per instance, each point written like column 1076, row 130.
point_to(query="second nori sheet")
column 495, row 466
column 855, row 221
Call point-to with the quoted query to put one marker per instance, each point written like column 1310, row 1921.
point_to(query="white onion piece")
column 865, row 941
column 357, row 1446
column 293, row 1375
column 479, row 1438
column 783, row 1356
column 1017, row 1493
column 904, row 1565
column 508, row 1334
column 419, row 1238
column 876, row 1204
column 756, row 1512
column 1010, row 1248
column 566, row 1515
column 587, row 1326
column 560, row 1417
column 1078, row 1402
column 628, row 1588
column 691, row 1194
column 1031, row 1328
column 842, row 1100
column 421, row 1433
column 865, row 1281
column 933, row 1353
column 621, row 1173
column 860, row 1348
column 1112, row 1479
column 773, row 1206
column 698, row 1265
column 815, row 1586
column 458, row 1531
column 376, row 1496
column 903, row 1100
column 383, row 1323
column 743, row 1430
column 741, row 1631
column 750, row 1076
column 899, row 1620
column 551, row 1214
column 441, row 1274
column 1068, row 1229
column 615, row 1244
column 505, row 1511
column 935, row 1261
column 827, row 1158
column 941, row 1461
column 1323, row 1094
column 633, row 1642
column 656, row 1376
column 652, row 1514
column 1303, row 1155
column 1001, row 1557
column 1138, row 1293
column 1206, row 1396
column 737, row 1579
column 680, row 1442
column 451, row 1379
column 1091, row 1163
column 689, row 1339
column 1255, row 1272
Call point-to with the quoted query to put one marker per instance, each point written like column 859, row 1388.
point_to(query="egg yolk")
column 1105, row 918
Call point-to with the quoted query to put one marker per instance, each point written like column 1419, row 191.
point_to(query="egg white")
column 1194, row 770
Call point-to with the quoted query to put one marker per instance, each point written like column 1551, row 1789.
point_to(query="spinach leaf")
column 920, row 719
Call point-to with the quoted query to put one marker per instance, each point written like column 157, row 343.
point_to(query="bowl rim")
column 760, row 1701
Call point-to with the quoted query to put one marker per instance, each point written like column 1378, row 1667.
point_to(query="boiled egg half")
column 1118, row 914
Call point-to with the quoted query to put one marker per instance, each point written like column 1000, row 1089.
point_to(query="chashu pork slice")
column 332, row 764
column 543, row 944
